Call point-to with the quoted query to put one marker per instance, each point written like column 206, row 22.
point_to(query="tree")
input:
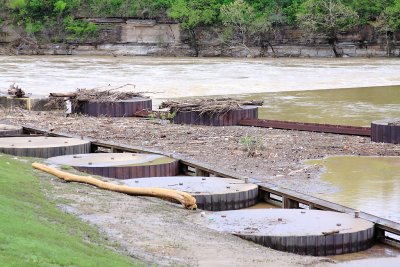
column 326, row 19
column 388, row 23
column 367, row 10
column 267, row 27
column 238, row 17
column 192, row 14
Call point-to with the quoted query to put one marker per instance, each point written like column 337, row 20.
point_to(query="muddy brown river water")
column 370, row 184
column 293, row 89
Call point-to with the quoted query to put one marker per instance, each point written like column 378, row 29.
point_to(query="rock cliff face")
column 132, row 37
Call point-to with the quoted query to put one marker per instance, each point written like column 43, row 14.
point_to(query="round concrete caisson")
column 10, row 130
column 120, row 165
column 123, row 108
column 230, row 118
column 306, row 232
column 43, row 147
column 211, row 193
column 386, row 131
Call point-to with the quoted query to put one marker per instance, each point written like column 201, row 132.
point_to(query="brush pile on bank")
column 394, row 123
column 15, row 91
column 111, row 95
column 108, row 94
column 209, row 106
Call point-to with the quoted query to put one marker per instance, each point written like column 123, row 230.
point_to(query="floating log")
column 69, row 94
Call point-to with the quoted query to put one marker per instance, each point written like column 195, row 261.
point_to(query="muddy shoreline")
column 162, row 233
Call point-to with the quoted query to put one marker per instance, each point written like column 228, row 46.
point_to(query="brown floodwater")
column 293, row 89
column 369, row 184
column 350, row 106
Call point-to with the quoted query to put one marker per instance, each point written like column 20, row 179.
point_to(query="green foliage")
column 33, row 27
column 80, row 29
column 16, row 4
column 34, row 232
column 239, row 16
column 59, row 6
column 367, row 10
column 391, row 16
column 193, row 13
column 129, row 8
column 326, row 18
column 244, row 18
column 253, row 145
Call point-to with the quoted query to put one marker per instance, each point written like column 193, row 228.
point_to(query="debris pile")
column 394, row 123
column 209, row 106
column 101, row 94
column 15, row 91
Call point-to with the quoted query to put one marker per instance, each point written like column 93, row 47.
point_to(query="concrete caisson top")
column 387, row 121
column 110, row 160
column 8, row 127
column 195, row 185
column 39, row 142
column 284, row 222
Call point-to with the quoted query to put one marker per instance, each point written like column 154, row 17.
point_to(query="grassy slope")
column 33, row 231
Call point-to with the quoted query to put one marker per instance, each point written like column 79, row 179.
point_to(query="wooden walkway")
column 311, row 127
column 269, row 192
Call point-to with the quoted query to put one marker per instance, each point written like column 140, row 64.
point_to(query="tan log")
column 187, row 200
column 63, row 94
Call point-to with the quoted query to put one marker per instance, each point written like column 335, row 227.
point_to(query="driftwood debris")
column 15, row 91
column 100, row 94
column 394, row 123
column 212, row 105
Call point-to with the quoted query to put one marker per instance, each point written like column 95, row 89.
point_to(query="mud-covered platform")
column 120, row 165
column 43, row 147
column 306, row 232
column 10, row 130
column 211, row 193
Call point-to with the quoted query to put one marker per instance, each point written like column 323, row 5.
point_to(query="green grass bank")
column 34, row 232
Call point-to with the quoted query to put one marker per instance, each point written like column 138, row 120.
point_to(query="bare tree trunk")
column 272, row 48
column 194, row 42
column 332, row 42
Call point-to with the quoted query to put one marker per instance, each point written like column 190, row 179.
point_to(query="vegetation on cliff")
column 243, row 22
